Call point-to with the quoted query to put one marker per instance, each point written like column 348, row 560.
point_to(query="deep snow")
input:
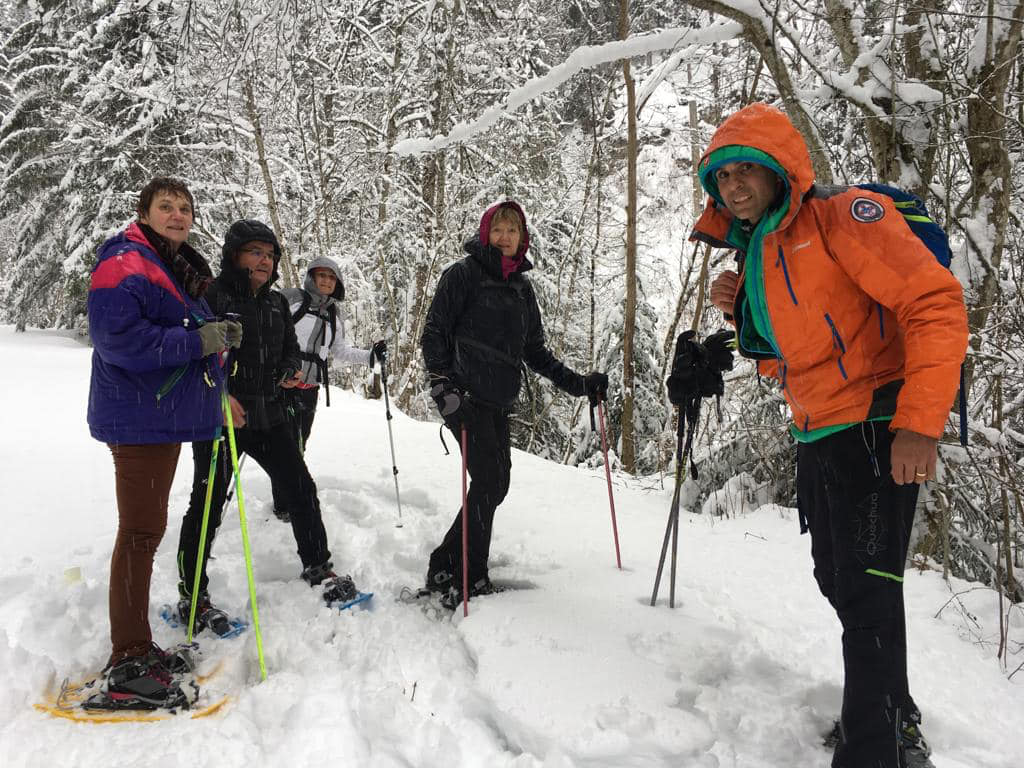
column 576, row 671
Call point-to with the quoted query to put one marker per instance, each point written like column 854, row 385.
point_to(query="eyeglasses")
column 259, row 254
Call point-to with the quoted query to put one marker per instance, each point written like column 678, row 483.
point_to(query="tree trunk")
column 629, row 319
column 990, row 167
column 290, row 277
column 763, row 40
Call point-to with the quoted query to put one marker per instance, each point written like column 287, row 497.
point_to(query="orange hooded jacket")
column 866, row 321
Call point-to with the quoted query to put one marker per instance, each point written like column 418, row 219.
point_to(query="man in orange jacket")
column 866, row 331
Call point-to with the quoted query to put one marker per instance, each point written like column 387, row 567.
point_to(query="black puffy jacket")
column 481, row 328
column 269, row 347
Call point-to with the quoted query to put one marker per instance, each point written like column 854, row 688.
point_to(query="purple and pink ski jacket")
column 150, row 382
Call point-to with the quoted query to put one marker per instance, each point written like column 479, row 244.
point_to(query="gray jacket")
column 313, row 329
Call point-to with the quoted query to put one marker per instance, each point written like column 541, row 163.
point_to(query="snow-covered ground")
column 577, row 670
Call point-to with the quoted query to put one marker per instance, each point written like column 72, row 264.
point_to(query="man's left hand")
column 913, row 457
column 596, row 386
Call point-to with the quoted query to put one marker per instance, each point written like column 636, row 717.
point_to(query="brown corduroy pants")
column 143, row 475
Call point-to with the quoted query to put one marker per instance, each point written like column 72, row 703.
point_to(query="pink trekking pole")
column 465, row 532
column 608, row 477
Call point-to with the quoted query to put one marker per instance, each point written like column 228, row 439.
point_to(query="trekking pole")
column 675, row 555
column 608, row 477
column 391, row 436
column 245, row 532
column 231, row 490
column 673, row 514
column 202, row 536
column 465, row 531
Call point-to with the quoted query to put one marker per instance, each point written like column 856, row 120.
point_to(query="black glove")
column 596, row 384
column 694, row 374
column 450, row 401
column 213, row 337
column 379, row 352
column 286, row 375
column 720, row 346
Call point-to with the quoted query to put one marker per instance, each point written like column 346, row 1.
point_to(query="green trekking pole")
column 202, row 537
column 245, row 532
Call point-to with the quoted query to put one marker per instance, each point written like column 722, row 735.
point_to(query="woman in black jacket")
column 266, row 362
column 483, row 324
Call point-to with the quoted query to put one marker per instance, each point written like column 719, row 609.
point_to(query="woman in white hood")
column 319, row 318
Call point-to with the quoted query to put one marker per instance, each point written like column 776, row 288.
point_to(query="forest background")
column 376, row 131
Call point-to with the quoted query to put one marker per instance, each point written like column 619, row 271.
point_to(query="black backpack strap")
column 963, row 407
column 332, row 314
column 303, row 307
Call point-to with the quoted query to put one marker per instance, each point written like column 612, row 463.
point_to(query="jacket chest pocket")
column 801, row 280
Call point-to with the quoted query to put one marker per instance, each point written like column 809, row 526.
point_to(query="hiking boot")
column 452, row 597
column 206, row 615
column 915, row 749
column 439, row 582
column 144, row 682
column 833, row 737
column 178, row 660
column 914, row 746
column 337, row 589
column 484, row 586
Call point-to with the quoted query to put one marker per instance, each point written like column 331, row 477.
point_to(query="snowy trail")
column 575, row 670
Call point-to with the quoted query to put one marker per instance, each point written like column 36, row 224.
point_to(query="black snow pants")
column 860, row 522
column 277, row 452
column 489, row 462
column 300, row 407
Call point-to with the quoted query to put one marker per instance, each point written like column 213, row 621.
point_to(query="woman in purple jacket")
column 156, row 383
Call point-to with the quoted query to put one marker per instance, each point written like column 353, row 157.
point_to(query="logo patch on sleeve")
column 866, row 211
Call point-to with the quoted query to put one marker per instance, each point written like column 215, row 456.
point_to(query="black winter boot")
column 914, row 746
column 916, row 751
column 452, row 597
column 439, row 581
column 336, row 589
column 206, row 615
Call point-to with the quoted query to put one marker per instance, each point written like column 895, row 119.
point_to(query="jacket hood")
column 485, row 225
column 309, row 284
column 240, row 233
column 777, row 144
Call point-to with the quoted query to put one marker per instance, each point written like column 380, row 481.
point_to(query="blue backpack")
column 935, row 239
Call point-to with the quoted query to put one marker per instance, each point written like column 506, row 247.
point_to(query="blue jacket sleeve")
column 124, row 336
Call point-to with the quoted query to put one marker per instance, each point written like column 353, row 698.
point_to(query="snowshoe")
column 338, row 591
column 179, row 660
column 207, row 616
column 139, row 682
column 412, row 596
column 914, row 745
column 177, row 618
column 438, row 583
column 452, row 597
column 915, row 748
column 485, row 586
